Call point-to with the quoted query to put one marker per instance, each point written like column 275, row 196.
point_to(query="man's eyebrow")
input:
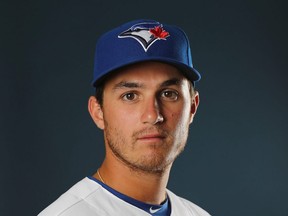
column 170, row 82
column 125, row 84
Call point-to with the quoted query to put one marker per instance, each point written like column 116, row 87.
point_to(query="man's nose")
column 151, row 112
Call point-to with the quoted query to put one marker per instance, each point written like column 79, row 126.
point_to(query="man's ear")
column 96, row 112
column 194, row 105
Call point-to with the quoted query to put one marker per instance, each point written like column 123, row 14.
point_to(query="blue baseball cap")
column 140, row 41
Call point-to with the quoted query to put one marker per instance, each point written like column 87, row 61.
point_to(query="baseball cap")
column 139, row 41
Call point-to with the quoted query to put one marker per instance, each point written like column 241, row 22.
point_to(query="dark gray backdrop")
column 236, row 160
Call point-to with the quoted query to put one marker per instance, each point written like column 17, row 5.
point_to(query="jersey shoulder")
column 182, row 206
column 72, row 200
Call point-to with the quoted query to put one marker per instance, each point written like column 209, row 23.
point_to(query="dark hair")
column 99, row 93
column 100, row 85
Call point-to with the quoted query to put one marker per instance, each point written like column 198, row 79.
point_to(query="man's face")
column 146, row 112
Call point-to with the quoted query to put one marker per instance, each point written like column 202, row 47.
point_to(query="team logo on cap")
column 146, row 33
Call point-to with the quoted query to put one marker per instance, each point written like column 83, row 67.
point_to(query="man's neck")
column 145, row 187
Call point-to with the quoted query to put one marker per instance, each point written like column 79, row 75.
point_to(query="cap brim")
column 189, row 72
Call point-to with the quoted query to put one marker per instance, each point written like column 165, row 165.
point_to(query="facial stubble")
column 164, row 153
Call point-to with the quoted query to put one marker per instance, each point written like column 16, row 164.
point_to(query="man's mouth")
column 151, row 137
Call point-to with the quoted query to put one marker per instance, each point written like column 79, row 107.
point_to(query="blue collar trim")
column 155, row 210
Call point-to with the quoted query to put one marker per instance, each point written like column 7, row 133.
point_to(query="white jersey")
column 89, row 198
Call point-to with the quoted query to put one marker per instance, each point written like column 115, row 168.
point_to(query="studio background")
column 236, row 159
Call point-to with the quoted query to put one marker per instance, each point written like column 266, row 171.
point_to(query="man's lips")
column 148, row 137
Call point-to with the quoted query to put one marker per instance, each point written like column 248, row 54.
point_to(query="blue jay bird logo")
column 146, row 33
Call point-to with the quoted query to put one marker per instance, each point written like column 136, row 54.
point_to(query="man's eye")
column 129, row 96
column 169, row 95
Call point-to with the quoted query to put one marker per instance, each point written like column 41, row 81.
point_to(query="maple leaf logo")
column 159, row 32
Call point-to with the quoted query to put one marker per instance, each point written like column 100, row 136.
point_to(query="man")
column 144, row 103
